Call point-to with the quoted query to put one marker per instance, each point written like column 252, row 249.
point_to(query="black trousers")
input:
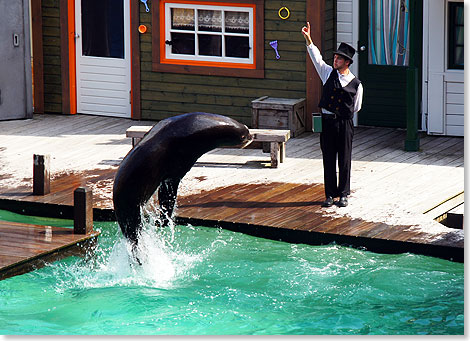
column 336, row 141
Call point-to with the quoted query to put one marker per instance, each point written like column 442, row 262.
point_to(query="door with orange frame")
column 103, row 61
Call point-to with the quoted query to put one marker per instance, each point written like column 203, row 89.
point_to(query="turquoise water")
column 197, row 280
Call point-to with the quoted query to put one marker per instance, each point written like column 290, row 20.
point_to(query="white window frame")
column 202, row 58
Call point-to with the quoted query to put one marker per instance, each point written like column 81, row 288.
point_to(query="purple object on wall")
column 274, row 46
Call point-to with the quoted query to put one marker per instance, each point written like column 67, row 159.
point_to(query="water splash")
column 153, row 216
column 162, row 262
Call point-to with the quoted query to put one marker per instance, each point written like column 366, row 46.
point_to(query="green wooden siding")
column 329, row 41
column 167, row 94
column 51, row 51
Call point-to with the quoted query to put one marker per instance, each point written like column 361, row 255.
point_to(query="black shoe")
column 343, row 202
column 328, row 202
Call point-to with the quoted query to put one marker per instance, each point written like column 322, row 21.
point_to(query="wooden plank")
column 293, row 215
column 137, row 131
column 254, row 204
column 344, row 226
column 263, row 212
column 445, row 206
column 24, row 247
column 249, row 203
column 267, row 135
column 389, row 234
column 270, row 135
column 193, row 206
column 280, row 210
column 373, row 229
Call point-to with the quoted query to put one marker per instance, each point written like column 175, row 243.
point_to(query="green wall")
column 51, row 51
column 166, row 94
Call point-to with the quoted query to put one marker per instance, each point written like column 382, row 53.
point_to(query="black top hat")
column 346, row 50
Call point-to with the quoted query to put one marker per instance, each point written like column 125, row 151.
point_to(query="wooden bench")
column 137, row 133
column 276, row 138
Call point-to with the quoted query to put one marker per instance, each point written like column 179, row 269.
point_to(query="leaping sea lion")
column 162, row 158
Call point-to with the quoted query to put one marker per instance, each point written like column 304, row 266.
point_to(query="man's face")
column 340, row 62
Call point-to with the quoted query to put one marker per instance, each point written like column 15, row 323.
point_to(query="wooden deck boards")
column 85, row 150
column 24, row 247
column 62, row 188
column 294, row 207
column 274, row 205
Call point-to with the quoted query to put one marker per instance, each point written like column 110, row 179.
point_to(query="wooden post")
column 316, row 17
column 275, row 154
column 41, row 174
column 82, row 210
column 282, row 151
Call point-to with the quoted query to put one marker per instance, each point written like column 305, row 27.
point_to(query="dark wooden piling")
column 41, row 174
column 82, row 210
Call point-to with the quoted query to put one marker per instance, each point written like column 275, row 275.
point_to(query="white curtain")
column 182, row 18
column 389, row 32
column 209, row 20
column 237, row 21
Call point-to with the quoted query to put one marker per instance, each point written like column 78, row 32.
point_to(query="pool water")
column 198, row 280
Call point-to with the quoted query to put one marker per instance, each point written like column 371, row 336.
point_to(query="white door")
column 103, row 57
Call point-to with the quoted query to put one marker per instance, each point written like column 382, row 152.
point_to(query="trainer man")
column 341, row 98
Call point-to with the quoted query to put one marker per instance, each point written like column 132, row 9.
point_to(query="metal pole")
column 412, row 105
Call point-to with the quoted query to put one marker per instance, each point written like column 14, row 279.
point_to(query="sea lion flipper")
column 167, row 193
column 131, row 224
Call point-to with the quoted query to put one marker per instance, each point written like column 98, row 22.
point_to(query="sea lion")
column 162, row 158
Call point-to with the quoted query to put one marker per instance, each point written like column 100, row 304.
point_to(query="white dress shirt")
column 324, row 70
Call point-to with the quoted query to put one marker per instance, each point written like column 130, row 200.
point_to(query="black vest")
column 337, row 99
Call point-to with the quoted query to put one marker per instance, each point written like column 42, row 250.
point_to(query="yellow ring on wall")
column 286, row 16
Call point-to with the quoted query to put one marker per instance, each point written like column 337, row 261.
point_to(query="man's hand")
column 306, row 33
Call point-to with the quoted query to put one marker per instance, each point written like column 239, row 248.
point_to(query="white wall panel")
column 454, row 120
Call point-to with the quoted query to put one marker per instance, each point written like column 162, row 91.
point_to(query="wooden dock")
column 59, row 202
column 236, row 189
column 26, row 247
column 281, row 211
column 293, row 213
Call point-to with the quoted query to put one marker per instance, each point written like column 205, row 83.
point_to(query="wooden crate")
column 279, row 113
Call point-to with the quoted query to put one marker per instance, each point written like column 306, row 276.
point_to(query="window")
column 456, row 36
column 389, row 32
column 209, row 33
column 103, row 28
column 204, row 37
